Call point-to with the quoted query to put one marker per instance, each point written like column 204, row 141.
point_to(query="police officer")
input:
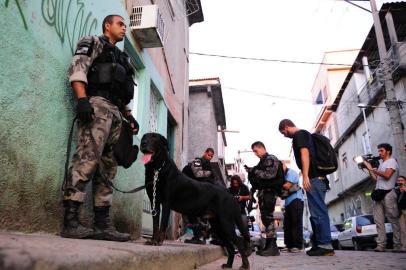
column 199, row 169
column 101, row 77
column 202, row 169
column 267, row 178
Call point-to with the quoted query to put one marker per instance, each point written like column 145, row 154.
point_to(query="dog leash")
column 68, row 153
column 156, row 179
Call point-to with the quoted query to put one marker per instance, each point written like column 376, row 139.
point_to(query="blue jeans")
column 318, row 213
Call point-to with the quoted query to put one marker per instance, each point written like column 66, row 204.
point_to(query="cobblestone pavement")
column 343, row 260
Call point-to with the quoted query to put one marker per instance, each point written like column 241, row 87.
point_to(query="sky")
column 258, row 94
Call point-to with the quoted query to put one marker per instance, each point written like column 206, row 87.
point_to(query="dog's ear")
column 165, row 143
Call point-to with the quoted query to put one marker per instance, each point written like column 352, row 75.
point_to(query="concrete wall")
column 37, row 104
column 37, row 110
column 202, row 125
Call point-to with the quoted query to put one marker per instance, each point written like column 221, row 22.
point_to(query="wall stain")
column 20, row 10
column 56, row 14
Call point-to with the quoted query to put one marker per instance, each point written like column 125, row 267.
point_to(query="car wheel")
column 356, row 245
column 334, row 243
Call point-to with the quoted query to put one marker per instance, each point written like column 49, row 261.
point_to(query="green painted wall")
column 36, row 104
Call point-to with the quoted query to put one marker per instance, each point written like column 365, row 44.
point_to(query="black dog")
column 174, row 190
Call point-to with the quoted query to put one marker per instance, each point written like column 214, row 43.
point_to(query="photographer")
column 384, row 196
column 401, row 195
column 241, row 194
column 267, row 177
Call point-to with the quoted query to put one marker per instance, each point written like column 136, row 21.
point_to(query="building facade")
column 359, row 135
column 37, row 103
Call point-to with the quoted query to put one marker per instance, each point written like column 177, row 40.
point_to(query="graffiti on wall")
column 354, row 207
column 58, row 14
column 17, row 2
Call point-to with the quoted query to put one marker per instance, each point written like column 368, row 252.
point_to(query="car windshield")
column 365, row 220
column 333, row 228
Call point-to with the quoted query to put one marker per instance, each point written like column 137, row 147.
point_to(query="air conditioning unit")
column 147, row 26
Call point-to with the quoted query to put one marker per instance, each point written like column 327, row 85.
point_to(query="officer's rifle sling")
column 68, row 153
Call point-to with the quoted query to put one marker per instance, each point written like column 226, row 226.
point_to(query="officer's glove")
column 84, row 110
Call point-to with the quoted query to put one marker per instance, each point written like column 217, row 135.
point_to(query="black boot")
column 71, row 225
column 103, row 226
column 271, row 249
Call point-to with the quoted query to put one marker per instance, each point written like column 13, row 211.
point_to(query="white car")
column 360, row 232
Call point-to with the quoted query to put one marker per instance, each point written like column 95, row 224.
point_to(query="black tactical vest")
column 111, row 75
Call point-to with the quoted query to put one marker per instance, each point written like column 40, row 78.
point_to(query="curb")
column 49, row 252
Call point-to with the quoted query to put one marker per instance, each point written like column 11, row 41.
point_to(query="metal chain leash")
column 153, row 211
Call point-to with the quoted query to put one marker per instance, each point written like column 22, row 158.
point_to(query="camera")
column 237, row 197
column 373, row 160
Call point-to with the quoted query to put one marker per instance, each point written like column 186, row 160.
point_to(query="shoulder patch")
column 197, row 162
column 85, row 46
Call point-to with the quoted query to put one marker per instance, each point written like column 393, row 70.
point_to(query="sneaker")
column 294, row 250
column 320, row 252
column 379, row 249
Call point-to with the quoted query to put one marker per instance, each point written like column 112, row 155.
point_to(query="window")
column 153, row 107
column 365, row 220
column 319, row 99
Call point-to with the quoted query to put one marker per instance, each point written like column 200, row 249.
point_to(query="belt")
column 100, row 93
column 109, row 96
column 321, row 177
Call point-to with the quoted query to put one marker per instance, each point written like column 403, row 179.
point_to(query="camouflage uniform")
column 266, row 171
column 94, row 157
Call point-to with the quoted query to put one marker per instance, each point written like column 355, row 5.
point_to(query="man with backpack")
column 266, row 177
column 307, row 148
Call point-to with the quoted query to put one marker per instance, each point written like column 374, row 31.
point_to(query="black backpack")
column 323, row 155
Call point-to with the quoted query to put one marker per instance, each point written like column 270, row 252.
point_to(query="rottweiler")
column 175, row 191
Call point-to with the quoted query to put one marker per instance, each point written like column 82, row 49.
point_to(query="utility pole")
column 391, row 102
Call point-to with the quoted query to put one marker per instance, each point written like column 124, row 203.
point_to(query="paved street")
column 344, row 260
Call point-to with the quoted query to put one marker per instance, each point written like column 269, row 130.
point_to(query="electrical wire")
column 269, row 60
column 265, row 94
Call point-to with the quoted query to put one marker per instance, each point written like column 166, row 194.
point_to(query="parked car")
column 335, row 230
column 360, row 232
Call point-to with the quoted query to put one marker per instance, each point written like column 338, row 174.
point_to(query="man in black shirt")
column 314, row 183
column 241, row 194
